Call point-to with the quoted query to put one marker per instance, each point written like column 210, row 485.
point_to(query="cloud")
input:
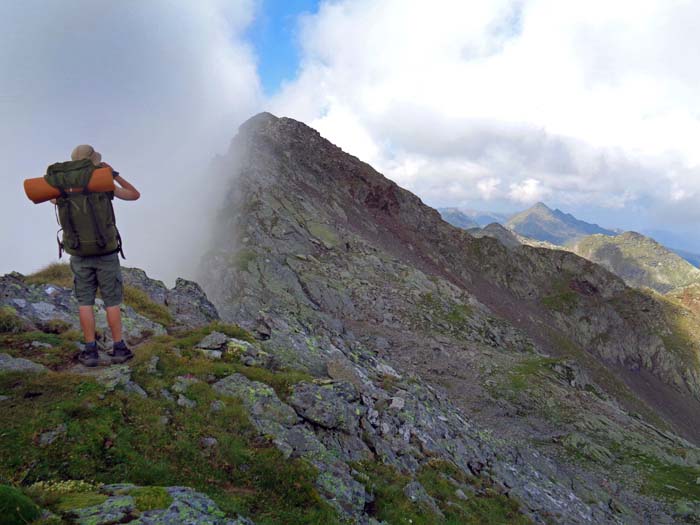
column 585, row 104
column 158, row 87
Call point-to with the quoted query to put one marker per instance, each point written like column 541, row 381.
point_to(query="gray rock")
column 185, row 402
column 208, row 442
column 341, row 368
column 216, row 406
column 182, row 383
column 134, row 388
column 397, row 403
column 115, row 509
column 18, row 364
column 153, row 365
column 417, row 493
column 165, row 393
column 260, row 399
column 211, row 354
column 39, row 344
column 387, row 370
column 330, row 406
column 186, row 301
column 50, row 436
column 4, row 398
column 213, row 341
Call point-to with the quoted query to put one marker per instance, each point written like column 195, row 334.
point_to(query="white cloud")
column 158, row 87
column 592, row 100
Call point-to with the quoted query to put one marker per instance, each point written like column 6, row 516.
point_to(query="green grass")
column 77, row 500
column 151, row 498
column 15, row 507
column 441, row 481
column 455, row 315
column 667, row 481
column 120, row 438
column 62, row 349
column 561, row 297
column 10, row 321
column 58, row 274
column 522, row 375
column 143, row 304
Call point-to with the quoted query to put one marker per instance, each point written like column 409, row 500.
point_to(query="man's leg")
column 87, row 322
column 114, row 320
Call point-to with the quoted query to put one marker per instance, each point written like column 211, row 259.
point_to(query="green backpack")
column 86, row 218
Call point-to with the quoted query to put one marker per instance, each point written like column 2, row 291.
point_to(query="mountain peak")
column 541, row 206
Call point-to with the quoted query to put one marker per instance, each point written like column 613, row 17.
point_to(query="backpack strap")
column 58, row 239
column 101, row 242
column 114, row 221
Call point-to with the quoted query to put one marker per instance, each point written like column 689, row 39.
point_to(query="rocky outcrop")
column 322, row 257
column 50, row 307
column 186, row 301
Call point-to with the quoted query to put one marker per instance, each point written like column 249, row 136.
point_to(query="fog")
column 158, row 87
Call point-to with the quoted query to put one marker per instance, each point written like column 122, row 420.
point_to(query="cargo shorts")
column 97, row 271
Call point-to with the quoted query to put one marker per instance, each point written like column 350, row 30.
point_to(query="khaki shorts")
column 97, row 271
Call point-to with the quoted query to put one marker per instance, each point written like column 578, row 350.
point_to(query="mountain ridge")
column 321, row 240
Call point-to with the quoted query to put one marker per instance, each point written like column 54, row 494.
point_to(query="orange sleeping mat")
column 38, row 190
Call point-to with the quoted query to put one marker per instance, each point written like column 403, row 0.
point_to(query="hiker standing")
column 91, row 238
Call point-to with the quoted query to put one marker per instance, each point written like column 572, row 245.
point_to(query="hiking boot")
column 89, row 356
column 121, row 352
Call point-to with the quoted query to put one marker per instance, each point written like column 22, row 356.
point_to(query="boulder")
column 17, row 364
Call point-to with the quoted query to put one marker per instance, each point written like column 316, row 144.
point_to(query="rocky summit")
column 355, row 359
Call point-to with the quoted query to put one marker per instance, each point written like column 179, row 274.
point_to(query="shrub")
column 16, row 508
column 10, row 321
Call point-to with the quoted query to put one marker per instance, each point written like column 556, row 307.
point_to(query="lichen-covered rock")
column 184, row 506
column 331, row 406
column 186, row 301
column 260, row 399
column 18, row 364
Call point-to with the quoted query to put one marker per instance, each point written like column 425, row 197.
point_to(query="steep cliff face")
column 322, row 256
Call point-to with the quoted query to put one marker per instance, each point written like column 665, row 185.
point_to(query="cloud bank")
column 157, row 87
column 500, row 104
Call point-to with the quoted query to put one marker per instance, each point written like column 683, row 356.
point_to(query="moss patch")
column 151, row 498
column 143, row 304
column 522, row 375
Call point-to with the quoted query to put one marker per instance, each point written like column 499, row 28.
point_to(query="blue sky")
column 274, row 35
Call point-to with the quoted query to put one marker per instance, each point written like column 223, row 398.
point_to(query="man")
column 101, row 270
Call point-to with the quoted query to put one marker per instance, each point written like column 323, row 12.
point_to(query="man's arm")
column 127, row 192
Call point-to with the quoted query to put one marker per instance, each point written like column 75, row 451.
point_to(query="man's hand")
column 127, row 192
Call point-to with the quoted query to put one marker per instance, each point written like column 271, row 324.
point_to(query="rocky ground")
column 365, row 363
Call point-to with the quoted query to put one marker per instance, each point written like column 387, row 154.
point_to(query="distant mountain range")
column 551, row 228
column 476, row 217
column 542, row 223
column 639, row 260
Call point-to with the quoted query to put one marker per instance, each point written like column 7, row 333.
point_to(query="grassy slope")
column 117, row 437
column 639, row 260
